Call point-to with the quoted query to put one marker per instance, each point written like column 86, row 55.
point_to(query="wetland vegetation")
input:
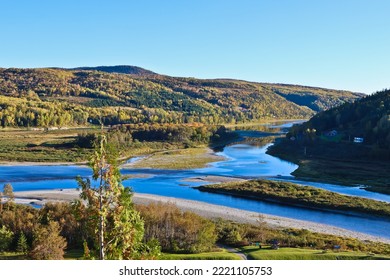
column 304, row 196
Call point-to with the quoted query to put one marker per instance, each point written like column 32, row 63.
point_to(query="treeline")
column 22, row 112
column 186, row 134
column 25, row 112
column 196, row 132
column 87, row 96
column 177, row 231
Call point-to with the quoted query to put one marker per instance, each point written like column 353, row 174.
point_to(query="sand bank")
column 214, row 179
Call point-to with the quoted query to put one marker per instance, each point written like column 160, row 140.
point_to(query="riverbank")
column 32, row 163
column 42, row 147
column 301, row 196
column 213, row 179
column 321, row 163
column 177, row 159
column 204, row 209
column 171, row 159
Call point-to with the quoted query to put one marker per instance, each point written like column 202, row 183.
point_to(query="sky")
column 339, row 44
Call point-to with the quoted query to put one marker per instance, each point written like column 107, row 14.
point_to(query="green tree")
column 48, row 244
column 118, row 227
column 22, row 245
column 177, row 231
column 6, row 237
column 9, row 194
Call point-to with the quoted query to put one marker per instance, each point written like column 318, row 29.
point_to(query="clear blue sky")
column 341, row 44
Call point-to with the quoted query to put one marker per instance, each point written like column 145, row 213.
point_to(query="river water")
column 242, row 161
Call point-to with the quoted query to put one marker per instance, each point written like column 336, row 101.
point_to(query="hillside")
column 120, row 69
column 129, row 94
column 367, row 118
column 349, row 143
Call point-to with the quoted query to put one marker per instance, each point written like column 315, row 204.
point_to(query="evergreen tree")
column 22, row 245
column 48, row 244
column 6, row 237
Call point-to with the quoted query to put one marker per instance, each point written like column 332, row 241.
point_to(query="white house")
column 358, row 140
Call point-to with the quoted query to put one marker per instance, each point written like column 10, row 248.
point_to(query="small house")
column 358, row 140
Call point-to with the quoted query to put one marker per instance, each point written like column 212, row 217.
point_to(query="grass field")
column 252, row 252
column 23, row 145
column 223, row 255
column 220, row 255
column 41, row 146
column 12, row 256
column 267, row 253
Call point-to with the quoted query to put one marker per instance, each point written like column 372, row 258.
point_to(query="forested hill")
column 367, row 118
column 129, row 94
column 120, row 69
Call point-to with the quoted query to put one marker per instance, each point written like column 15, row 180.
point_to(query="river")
column 242, row 161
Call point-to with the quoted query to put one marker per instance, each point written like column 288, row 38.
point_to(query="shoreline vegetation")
column 348, row 144
column 177, row 159
column 172, row 146
column 301, row 196
column 185, row 158
column 203, row 209
column 371, row 175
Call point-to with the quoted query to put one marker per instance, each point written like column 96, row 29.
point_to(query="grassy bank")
column 23, row 145
column 331, row 163
column 267, row 253
column 293, row 194
column 75, row 145
column 42, row 146
column 179, row 159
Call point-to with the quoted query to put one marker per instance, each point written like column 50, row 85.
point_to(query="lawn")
column 267, row 253
column 12, row 256
column 77, row 254
column 222, row 255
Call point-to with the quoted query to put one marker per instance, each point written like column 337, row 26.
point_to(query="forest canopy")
column 50, row 97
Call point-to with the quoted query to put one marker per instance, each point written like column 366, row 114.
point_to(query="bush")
column 177, row 231
column 6, row 237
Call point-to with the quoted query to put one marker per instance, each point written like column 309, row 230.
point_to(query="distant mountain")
column 129, row 94
column 120, row 69
column 317, row 99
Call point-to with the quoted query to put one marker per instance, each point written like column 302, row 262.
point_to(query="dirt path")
column 233, row 250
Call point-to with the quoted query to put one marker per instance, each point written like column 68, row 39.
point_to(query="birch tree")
column 117, row 225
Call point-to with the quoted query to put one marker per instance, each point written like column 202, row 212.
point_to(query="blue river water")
column 242, row 161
